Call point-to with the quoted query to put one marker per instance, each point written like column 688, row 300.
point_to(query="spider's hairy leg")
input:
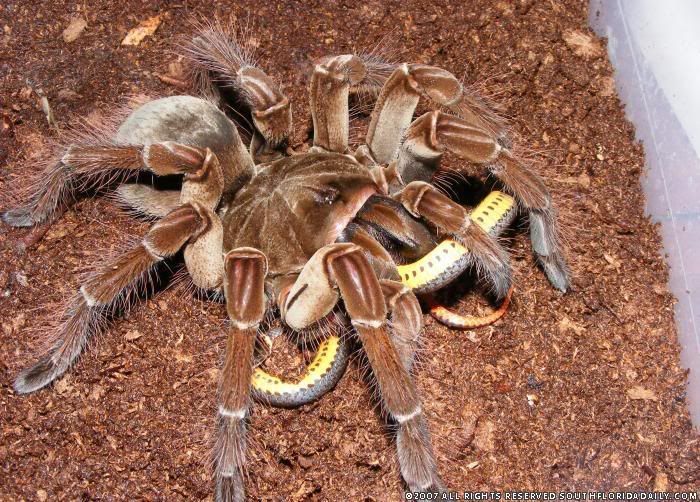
column 405, row 314
column 334, row 80
column 424, row 200
column 342, row 270
column 531, row 192
column 367, row 306
column 146, row 200
column 405, row 318
column 329, row 90
column 245, row 270
column 203, row 255
column 399, row 97
column 221, row 63
column 105, row 291
column 85, row 166
column 434, row 133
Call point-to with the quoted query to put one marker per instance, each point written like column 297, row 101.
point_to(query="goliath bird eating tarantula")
column 293, row 235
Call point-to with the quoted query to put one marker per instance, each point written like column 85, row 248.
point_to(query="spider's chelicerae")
column 295, row 234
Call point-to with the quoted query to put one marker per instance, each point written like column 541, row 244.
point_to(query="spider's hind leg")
column 84, row 167
column 108, row 289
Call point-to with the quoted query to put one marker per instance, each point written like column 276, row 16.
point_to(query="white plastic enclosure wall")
column 655, row 49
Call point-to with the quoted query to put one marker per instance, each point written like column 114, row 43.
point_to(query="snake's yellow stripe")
column 320, row 376
column 320, row 365
column 491, row 215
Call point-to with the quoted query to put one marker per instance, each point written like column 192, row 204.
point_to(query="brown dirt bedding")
column 580, row 391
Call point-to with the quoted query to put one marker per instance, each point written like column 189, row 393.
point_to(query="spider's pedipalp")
column 394, row 226
column 104, row 292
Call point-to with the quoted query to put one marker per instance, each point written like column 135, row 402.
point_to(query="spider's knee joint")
column 244, row 326
column 169, row 157
column 89, row 299
column 368, row 323
column 239, row 413
column 403, row 418
column 151, row 250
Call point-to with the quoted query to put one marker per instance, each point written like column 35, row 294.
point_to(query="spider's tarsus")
column 229, row 489
column 19, row 217
column 418, row 466
column 545, row 244
column 557, row 271
column 231, row 445
column 37, row 376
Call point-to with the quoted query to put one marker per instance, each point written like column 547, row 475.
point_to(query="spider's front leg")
column 343, row 271
column 329, row 90
column 399, row 97
column 435, row 132
column 245, row 270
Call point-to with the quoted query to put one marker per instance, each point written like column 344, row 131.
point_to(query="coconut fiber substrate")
column 577, row 391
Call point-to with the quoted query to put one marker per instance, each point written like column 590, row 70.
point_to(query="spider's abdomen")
column 296, row 205
column 190, row 121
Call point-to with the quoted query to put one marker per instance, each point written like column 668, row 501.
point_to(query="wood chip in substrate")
column 145, row 29
column 641, row 393
column 74, row 29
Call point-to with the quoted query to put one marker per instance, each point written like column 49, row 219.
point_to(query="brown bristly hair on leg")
column 380, row 62
column 480, row 101
column 80, row 322
column 216, row 55
column 46, row 187
column 534, row 197
column 489, row 258
column 538, row 161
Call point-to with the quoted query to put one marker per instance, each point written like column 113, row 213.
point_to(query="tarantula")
column 298, row 233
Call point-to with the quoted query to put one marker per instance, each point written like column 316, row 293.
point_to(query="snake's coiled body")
column 320, row 376
column 439, row 267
